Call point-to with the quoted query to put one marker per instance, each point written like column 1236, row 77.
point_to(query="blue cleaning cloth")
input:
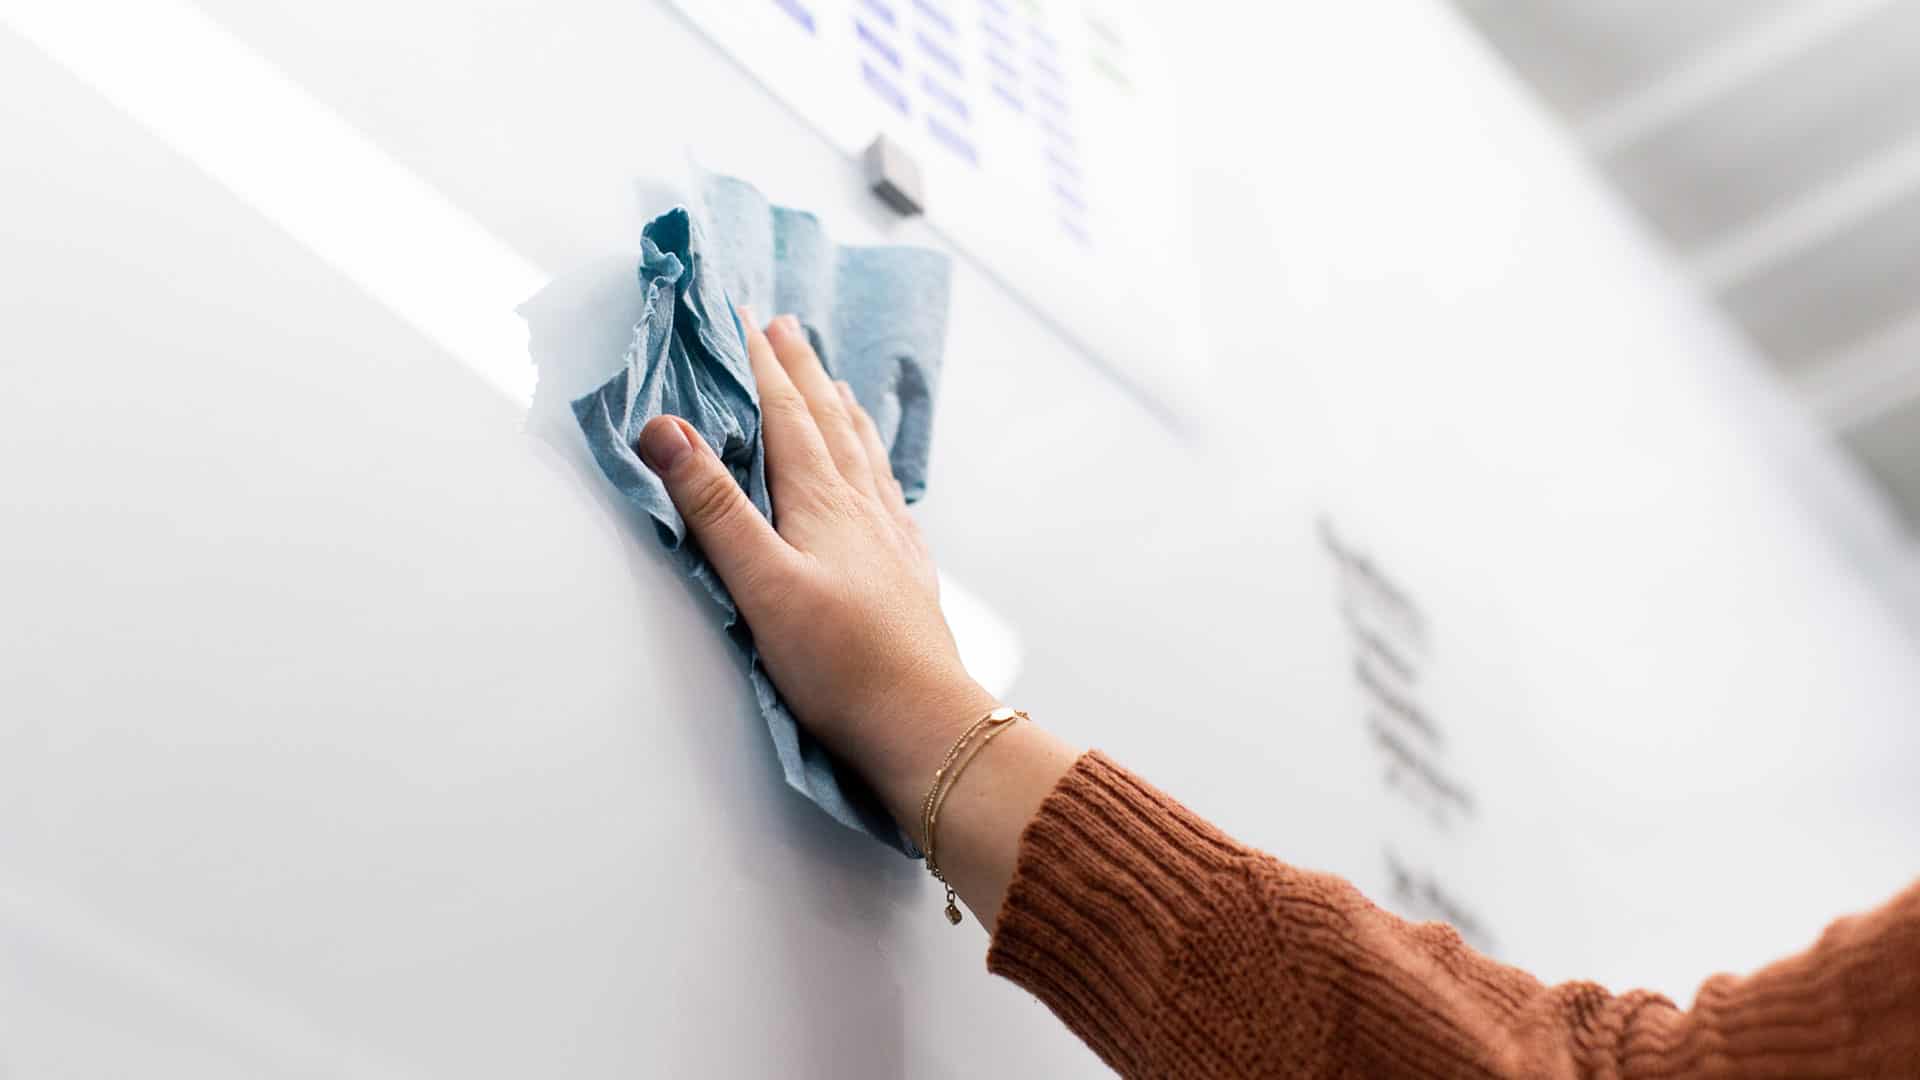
column 877, row 316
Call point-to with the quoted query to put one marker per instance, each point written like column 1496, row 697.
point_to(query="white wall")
column 350, row 727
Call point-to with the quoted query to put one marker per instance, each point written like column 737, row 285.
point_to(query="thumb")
column 736, row 537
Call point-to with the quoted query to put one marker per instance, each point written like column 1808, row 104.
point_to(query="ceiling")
column 1775, row 145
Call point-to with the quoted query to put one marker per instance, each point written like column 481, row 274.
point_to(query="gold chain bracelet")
column 959, row 756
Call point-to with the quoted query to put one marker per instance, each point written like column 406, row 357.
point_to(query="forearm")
column 1174, row 951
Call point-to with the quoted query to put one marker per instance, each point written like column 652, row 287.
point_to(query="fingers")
column 802, row 366
column 736, row 538
column 797, row 459
column 885, row 487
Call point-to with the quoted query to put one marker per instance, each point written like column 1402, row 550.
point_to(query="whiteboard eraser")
column 893, row 176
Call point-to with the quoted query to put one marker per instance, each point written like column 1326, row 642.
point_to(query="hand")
column 842, row 599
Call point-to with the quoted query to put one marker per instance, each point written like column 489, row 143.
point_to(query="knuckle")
column 712, row 499
column 851, row 507
column 804, row 510
column 838, row 500
column 787, row 407
column 835, row 411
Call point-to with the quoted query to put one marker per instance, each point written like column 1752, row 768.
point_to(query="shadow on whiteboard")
column 578, row 329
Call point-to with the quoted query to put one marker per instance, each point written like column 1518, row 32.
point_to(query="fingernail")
column 747, row 316
column 789, row 323
column 662, row 442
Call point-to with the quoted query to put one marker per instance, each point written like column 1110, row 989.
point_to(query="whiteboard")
column 353, row 727
column 1045, row 139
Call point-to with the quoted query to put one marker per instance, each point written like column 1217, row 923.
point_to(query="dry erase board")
column 1046, row 134
column 350, row 726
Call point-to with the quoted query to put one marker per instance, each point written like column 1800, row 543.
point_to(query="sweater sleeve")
column 1174, row 951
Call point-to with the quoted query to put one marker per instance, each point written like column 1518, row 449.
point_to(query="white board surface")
column 351, row 728
column 1044, row 137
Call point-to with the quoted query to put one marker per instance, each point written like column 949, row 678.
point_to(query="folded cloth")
column 878, row 318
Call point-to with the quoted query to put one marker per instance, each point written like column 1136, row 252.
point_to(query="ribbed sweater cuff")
column 1111, row 876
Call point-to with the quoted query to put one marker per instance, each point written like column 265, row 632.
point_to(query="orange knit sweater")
column 1174, row 951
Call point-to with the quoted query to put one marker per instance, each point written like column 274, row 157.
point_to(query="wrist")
column 910, row 744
